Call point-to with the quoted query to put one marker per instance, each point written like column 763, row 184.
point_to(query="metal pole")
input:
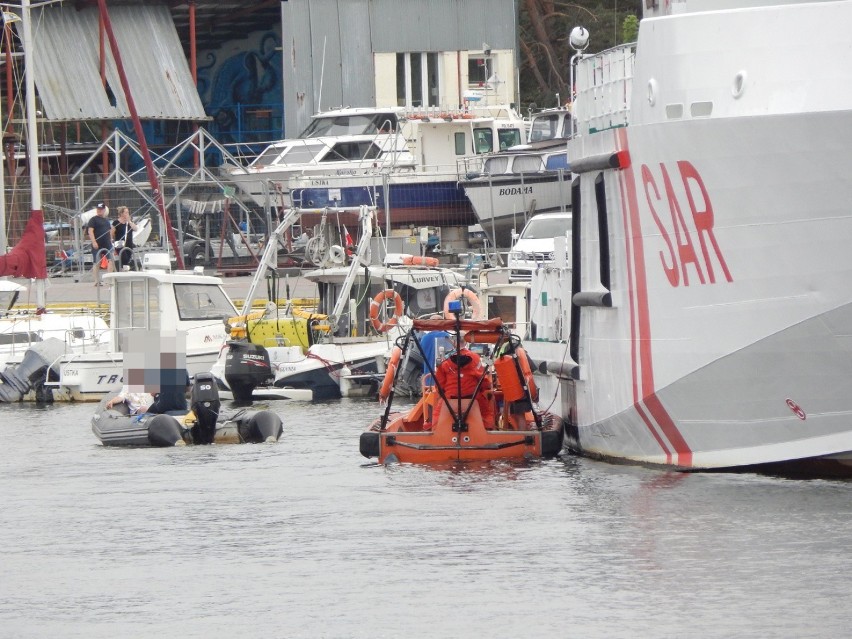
column 140, row 134
column 32, row 146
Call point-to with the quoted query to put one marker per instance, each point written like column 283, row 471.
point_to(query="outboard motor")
column 32, row 371
column 247, row 366
column 204, row 402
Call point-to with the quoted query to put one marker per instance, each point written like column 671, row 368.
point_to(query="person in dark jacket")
column 174, row 384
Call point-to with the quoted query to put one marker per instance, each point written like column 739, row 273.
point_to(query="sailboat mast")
column 32, row 131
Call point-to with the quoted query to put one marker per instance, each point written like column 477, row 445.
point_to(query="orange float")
column 417, row 260
column 470, row 298
column 390, row 373
column 376, row 306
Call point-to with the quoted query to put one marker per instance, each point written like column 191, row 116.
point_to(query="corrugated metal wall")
column 441, row 25
column 67, row 67
column 350, row 31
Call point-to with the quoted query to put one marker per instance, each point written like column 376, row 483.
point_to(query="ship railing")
column 603, row 83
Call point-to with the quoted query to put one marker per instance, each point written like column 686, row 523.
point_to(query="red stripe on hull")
column 641, row 321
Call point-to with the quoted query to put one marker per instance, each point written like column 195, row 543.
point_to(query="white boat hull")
column 88, row 376
column 504, row 204
column 727, row 340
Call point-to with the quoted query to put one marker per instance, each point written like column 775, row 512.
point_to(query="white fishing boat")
column 398, row 158
column 154, row 299
column 507, row 187
column 20, row 330
column 709, row 289
column 363, row 309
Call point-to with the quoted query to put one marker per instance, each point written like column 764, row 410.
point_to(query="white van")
column 533, row 248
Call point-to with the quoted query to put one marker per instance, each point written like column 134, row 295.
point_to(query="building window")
column 417, row 80
column 479, row 70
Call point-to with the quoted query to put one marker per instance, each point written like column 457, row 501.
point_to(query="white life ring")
column 337, row 254
column 470, row 300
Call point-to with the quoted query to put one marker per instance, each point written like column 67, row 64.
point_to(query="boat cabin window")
column 137, row 305
column 269, row 156
column 496, row 165
column 360, row 124
column 421, row 301
column 384, row 123
column 202, row 302
column 527, row 164
column 504, row 307
column 508, row 137
column 351, row 151
column 483, row 140
column 546, row 127
column 557, row 161
column 460, row 144
column 301, row 153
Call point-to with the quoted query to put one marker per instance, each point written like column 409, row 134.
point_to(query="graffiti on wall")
column 240, row 85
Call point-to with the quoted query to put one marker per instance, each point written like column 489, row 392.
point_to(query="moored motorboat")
column 204, row 423
column 468, row 412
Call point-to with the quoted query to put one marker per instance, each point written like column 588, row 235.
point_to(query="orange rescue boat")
column 472, row 408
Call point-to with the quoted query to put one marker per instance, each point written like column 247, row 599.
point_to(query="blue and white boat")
column 401, row 160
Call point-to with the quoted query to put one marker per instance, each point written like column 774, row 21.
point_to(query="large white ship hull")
column 728, row 341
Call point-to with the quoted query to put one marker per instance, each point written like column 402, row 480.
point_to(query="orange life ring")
column 416, row 260
column 376, row 305
column 390, row 373
column 526, row 369
column 469, row 296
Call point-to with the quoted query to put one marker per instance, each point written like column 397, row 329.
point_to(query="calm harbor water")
column 305, row 538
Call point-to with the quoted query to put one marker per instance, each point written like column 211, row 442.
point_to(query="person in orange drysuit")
column 447, row 377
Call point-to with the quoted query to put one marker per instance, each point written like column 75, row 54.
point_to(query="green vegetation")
column 544, row 53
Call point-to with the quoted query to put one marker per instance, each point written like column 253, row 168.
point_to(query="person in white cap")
column 101, row 235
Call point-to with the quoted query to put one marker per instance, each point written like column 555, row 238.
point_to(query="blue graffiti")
column 247, row 79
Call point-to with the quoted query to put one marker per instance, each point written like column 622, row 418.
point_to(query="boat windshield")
column 508, row 138
column 203, row 302
column 360, row 124
column 297, row 153
column 546, row 227
column 547, row 127
column 351, row 151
